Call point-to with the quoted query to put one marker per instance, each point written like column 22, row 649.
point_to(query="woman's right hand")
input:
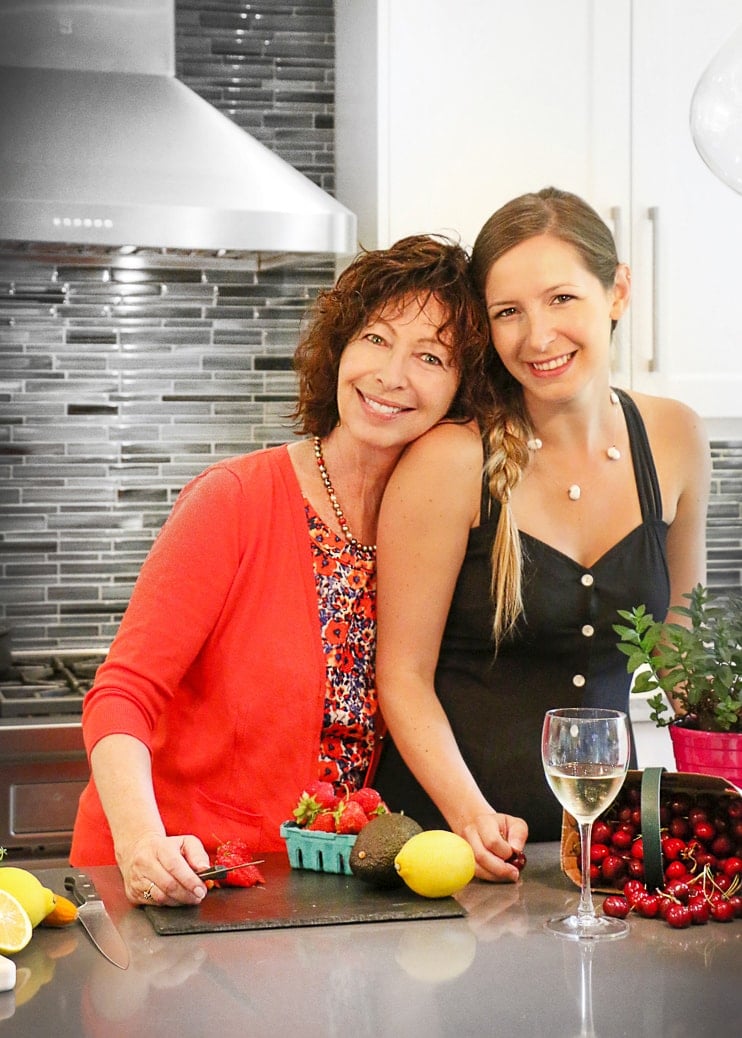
column 494, row 837
column 161, row 870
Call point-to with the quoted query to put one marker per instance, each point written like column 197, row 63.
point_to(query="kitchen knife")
column 94, row 916
column 218, row 872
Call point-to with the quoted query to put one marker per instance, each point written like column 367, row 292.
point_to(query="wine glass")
column 585, row 753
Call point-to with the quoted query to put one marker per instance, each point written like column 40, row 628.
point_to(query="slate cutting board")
column 298, row 897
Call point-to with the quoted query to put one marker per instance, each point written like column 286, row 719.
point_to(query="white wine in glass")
column 585, row 753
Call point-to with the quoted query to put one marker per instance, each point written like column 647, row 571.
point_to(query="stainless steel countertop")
column 495, row 972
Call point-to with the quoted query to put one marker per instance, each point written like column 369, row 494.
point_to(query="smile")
column 379, row 407
column 551, row 365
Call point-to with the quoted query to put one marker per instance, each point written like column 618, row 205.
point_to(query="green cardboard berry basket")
column 318, row 851
column 652, row 782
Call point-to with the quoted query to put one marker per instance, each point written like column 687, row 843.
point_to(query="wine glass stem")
column 585, row 909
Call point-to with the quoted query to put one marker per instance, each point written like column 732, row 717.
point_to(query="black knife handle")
column 81, row 887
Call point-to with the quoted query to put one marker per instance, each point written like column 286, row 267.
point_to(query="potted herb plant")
column 699, row 668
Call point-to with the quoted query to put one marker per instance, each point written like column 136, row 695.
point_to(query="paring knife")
column 220, row 871
column 94, row 916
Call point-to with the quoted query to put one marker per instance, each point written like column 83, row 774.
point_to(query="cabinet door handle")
column 616, row 217
column 618, row 237
column 654, row 357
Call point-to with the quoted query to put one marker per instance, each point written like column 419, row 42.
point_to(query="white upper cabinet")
column 685, row 223
column 446, row 110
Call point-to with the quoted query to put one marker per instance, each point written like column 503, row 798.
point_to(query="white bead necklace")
column 369, row 549
column 574, row 490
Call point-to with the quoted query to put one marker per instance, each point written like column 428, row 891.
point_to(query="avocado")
column 378, row 844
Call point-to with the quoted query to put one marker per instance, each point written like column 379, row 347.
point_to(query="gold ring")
column 147, row 895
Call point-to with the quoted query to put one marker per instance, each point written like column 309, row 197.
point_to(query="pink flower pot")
column 708, row 753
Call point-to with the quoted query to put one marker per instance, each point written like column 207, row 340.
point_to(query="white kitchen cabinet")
column 684, row 224
column 444, row 111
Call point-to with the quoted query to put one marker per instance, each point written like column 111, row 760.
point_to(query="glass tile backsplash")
column 116, row 386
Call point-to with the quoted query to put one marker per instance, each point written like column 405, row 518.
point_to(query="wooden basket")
column 653, row 783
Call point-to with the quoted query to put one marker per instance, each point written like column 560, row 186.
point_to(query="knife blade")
column 94, row 916
column 220, row 871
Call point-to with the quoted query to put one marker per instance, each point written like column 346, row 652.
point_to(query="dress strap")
column 645, row 473
column 647, row 483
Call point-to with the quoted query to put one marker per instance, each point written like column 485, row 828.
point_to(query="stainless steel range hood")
column 100, row 144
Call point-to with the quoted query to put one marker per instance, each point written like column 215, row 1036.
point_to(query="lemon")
column 15, row 926
column 436, row 863
column 27, row 889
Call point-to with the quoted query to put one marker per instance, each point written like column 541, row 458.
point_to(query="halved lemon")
column 15, row 925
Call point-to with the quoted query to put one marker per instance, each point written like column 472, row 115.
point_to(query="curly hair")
column 417, row 267
column 569, row 218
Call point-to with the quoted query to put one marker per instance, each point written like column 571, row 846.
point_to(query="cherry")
column 722, row 846
column 723, row 882
column 518, row 859
column 635, row 868
column 722, row 911
column 647, row 905
column 678, row 889
column 602, row 832
column 598, row 851
column 616, row 906
column 734, row 808
column 612, row 868
column 633, row 889
column 678, row 916
column 623, row 838
column 736, row 902
column 680, row 804
column 700, row 911
column 732, row 866
column 679, row 827
column 676, row 870
column 704, row 831
column 672, row 847
column 696, row 815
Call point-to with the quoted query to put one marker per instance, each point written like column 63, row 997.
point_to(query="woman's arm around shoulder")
column 430, row 505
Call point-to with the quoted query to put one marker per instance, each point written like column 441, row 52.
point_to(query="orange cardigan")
column 218, row 664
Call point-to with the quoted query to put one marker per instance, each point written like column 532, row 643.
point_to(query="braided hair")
column 569, row 218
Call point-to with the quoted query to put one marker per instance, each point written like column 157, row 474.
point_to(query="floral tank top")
column 346, row 593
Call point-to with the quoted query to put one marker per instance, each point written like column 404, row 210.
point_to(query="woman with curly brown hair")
column 504, row 555
column 244, row 665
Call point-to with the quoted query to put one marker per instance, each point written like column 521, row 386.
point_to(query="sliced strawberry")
column 250, row 876
column 234, row 852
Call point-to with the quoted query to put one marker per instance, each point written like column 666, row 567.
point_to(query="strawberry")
column 323, row 823
column 232, row 852
column 350, row 817
column 370, row 800
column 317, row 796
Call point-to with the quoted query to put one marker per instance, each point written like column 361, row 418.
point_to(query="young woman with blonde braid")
column 498, row 594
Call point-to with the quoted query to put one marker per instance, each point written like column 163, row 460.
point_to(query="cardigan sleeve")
column 176, row 602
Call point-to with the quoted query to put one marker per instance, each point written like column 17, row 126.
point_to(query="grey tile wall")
column 116, row 387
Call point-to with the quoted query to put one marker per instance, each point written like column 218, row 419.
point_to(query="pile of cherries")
column 701, row 841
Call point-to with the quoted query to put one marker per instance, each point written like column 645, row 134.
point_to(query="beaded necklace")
column 612, row 453
column 342, row 523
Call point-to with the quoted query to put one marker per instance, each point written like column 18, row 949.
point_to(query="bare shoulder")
column 670, row 421
column 449, row 444
column 679, row 442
